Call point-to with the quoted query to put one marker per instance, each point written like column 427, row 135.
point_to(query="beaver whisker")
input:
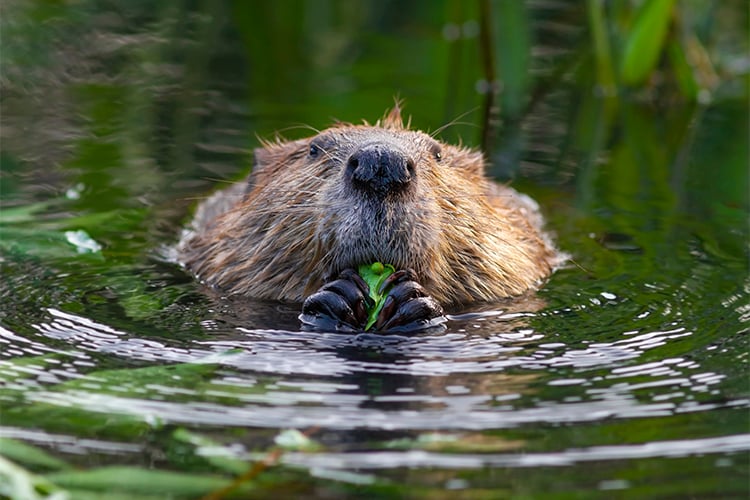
column 312, row 204
column 455, row 121
column 298, row 126
column 219, row 180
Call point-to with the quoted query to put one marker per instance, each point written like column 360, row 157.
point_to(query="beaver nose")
column 380, row 169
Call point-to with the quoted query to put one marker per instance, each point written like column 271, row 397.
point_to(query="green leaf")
column 683, row 72
column 30, row 456
column 24, row 213
column 292, row 439
column 211, row 451
column 109, row 495
column 512, row 32
column 82, row 422
column 646, row 41
column 374, row 275
column 35, row 242
column 141, row 481
column 453, row 443
column 139, row 381
column 17, row 482
column 602, row 52
column 121, row 383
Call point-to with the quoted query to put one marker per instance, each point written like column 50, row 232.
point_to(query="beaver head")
column 355, row 194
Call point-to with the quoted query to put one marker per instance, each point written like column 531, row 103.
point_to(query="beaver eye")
column 437, row 152
column 314, row 151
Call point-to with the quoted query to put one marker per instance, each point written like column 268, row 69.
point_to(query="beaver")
column 314, row 209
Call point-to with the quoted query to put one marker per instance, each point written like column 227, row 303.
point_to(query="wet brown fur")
column 294, row 222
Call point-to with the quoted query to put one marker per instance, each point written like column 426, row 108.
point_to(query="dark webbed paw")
column 344, row 304
column 407, row 306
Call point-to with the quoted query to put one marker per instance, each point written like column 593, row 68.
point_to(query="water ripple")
column 423, row 459
column 452, row 380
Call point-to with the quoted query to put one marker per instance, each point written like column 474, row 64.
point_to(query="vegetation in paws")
column 374, row 275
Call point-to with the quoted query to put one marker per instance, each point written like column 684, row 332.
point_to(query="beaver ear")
column 273, row 156
column 277, row 153
column 468, row 160
column 261, row 157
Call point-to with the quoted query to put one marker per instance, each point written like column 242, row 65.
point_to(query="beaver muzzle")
column 380, row 169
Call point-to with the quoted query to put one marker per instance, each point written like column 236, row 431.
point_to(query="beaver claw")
column 344, row 300
column 343, row 303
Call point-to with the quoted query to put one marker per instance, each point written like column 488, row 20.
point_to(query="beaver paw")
column 343, row 304
column 407, row 306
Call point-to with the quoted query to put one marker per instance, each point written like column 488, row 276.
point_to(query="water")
column 625, row 375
